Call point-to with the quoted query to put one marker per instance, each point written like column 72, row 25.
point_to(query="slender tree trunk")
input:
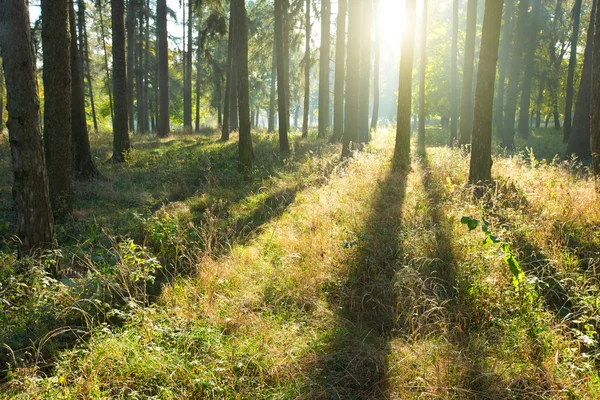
column 199, row 71
column 271, row 125
column 454, row 75
column 539, row 101
column 324, row 67
column 579, row 140
column 466, row 107
column 139, row 60
column 365, row 72
column 571, row 72
column 108, row 82
column 282, row 87
column 57, row 105
column 228, row 84
column 376, row 67
column 121, row 143
column 481, row 153
column 187, row 91
column 306, row 72
column 146, row 69
column 350, row 137
column 532, row 42
column 503, row 63
column 421, row 137
column 163, row 69
column 554, row 96
column 512, row 91
column 402, row 147
column 86, row 63
column 131, row 6
column 30, row 184
column 340, row 72
column 595, row 106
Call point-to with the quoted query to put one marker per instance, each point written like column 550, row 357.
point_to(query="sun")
column 390, row 24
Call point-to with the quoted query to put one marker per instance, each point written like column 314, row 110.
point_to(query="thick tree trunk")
column 234, row 121
column 532, row 42
column 30, row 186
column 454, row 75
column 512, row 91
column 131, row 6
column 306, row 72
column 121, row 143
column 350, row 137
column 282, row 86
column 57, row 105
column 481, row 153
column 187, row 91
column 271, row 124
column 423, row 66
column 324, row 67
column 340, row 72
column 163, row 69
column 108, row 82
column 571, row 72
column 503, row 63
column 376, row 67
column 365, row 72
column 466, row 106
column 579, row 140
column 402, row 147
column 83, row 163
column 595, row 106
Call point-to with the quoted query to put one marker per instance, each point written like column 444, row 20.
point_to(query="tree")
column 466, row 106
column 271, row 122
column 365, row 72
column 121, row 143
column 579, row 139
column 350, row 136
column 376, row 68
column 57, row 105
column 131, row 7
column 30, row 182
column 282, row 75
column 507, row 135
column 1, row 97
column 108, row 83
column 340, row 71
column 163, row 70
column 481, row 153
column 228, row 84
column 85, row 63
column 504, row 61
column 306, row 72
column 423, row 65
column 324, row 67
column 402, row 147
column 595, row 109
column 571, row 74
column 187, row 87
column 454, row 75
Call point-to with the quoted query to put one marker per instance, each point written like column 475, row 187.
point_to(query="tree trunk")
column 579, row 140
column 376, row 67
column 571, row 73
column 340, row 72
column 228, row 84
column 454, row 75
column 512, row 91
column 306, row 72
column 121, row 143
column 1, row 97
column 131, row 6
column 86, row 63
column 539, row 101
column 466, row 107
column 481, row 153
column 324, row 68
column 350, row 136
column 271, row 125
column 57, row 106
column 139, row 61
column 83, row 163
column 532, row 41
column 365, row 72
column 402, row 147
column 238, row 9
column 234, row 123
column 163, row 69
column 146, row 70
column 282, row 87
column 30, row 185
column 421, row 137
column 108, row 82
column 199, row 72
column 595, row 106
column 503, row 63
column 187, row 91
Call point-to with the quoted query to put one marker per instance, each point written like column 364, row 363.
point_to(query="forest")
column 299, row 199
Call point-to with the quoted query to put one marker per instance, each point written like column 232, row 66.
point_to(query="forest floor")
column 318, row 279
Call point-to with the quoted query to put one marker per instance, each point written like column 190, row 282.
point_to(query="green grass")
column 320, row 278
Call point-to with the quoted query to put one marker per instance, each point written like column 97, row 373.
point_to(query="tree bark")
column 121, row 143
column 163, row 70
column 376, row 67
column 481, row 153
column 466, row 107
column 282, row 86
column 567, row 125
column 131, row 5
column 350, row 137
column 402, row 147
column 306, row 72
column 595, row 106
column 271, row 124
column 228, row 84
column 454, row 75
column 423, row 67
column 187, row 91
column 30, row 185
column 324, row 67
column 139, row 61
column 503, row 63
column 146, row 69
column 365, row 72
column 199, row 71
column 57, row 105
column 340, row 72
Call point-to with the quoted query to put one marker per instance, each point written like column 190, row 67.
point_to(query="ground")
column 316, row 279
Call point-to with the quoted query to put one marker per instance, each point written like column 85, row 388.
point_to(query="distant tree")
column 423, row 68
column 163, row 70
column 402, row 147
column 466, row 107
column 121, row 142
column 271, row 122
column 340, row 71
column 481, row 152
column 324, row 67
column 30, row 183
column 187, row 81
column 306, row 71
column 350, row 136
column 376, row 68
column 595, row 109
column 57, row 105
column 108, row 83
column 579, row 139
column 282, row 74
column 228, row 84
column 503, row 62
column 571, row 74
column 131, row 32
column 454, row 75
column 365, row 72
column 84, row 53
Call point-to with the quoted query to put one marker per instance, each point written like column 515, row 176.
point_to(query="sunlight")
column 391, row 23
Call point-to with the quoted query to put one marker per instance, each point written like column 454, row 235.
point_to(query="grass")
column 319, row 279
